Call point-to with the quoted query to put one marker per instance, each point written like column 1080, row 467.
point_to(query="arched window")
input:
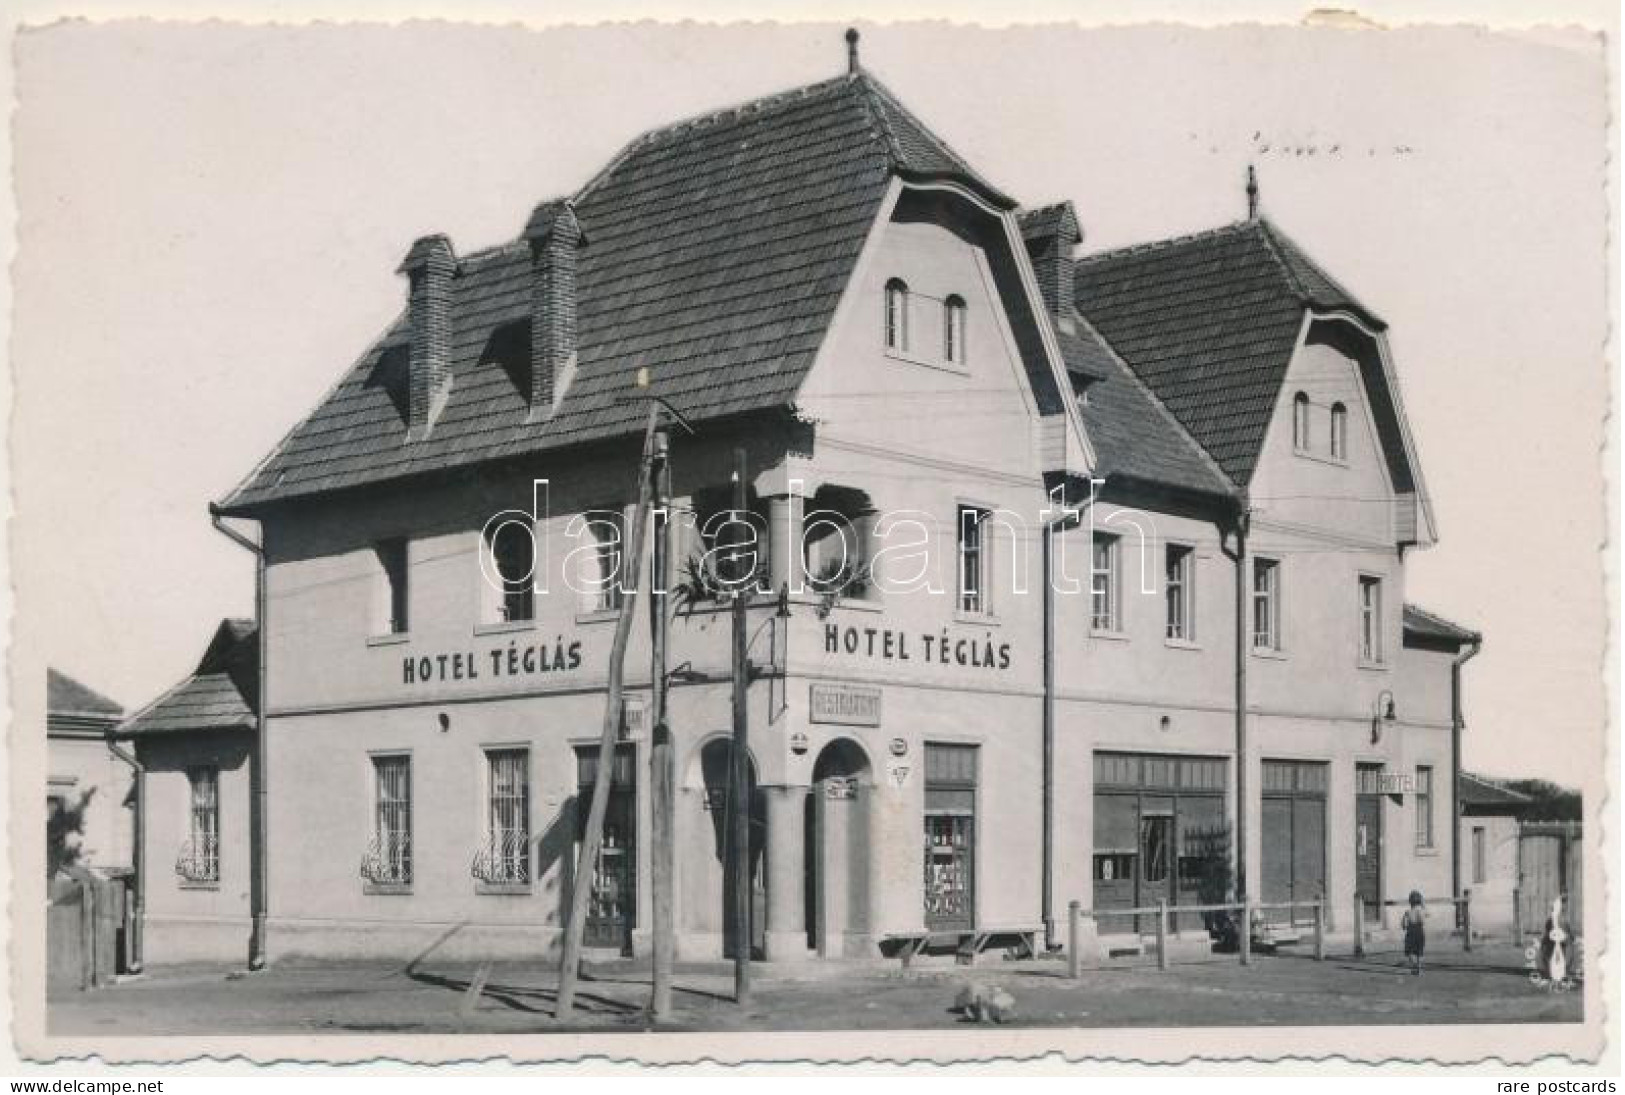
column 953, row 330
column 897, row 315
column 1340, row 431
column 1300, row 421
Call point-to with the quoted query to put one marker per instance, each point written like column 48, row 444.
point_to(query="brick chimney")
column 429, row 267
column 1050, row 234
column 554, row 235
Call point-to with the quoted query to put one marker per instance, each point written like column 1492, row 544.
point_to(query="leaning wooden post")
column 1074, row 940
column 1359, row 927
column 1467, row 920
column 570, row 960
column 1162, row 935
column 1246, row 947
column 1320, row 930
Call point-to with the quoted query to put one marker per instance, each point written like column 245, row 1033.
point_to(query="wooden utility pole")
column 570, row 962
column 662, row 770
column 739, row 784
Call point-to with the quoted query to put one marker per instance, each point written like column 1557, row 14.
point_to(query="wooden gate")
column 1294, row 835
column 1549, row 866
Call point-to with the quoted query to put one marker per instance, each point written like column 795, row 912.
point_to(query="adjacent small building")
column 83, row 773
column 193, row 744
column 1491, row 820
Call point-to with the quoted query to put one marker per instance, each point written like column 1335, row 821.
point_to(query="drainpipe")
column 258, row 831
column 1239, row 555
column 133, row 952
column 1456, row 725
column 1066, row 521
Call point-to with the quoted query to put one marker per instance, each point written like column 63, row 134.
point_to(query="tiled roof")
column 220, row 695
column 1419, row 621
column 1209, row 323
column 1476, row 791
column 1133, row 435
column 716, row 251
column 66, row 696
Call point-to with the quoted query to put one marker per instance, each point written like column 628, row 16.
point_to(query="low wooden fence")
column 82, row 930
column 1247, row 914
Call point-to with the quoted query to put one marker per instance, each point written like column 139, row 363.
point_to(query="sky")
column 209, row 218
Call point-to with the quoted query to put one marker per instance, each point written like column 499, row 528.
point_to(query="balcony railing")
column 199, row 859
column 388, row 860
column 503, row 859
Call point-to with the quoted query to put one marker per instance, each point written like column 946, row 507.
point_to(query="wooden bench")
column 967, row 942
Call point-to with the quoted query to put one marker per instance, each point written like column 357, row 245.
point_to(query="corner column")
column 783, row 538
column 786, row 873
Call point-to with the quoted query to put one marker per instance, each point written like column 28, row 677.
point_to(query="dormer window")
column 897, row 315
column 953, row 330
column 1340, row 432
column 1300, row 421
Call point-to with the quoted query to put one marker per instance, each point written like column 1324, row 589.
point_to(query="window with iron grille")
column 973, row 559
column 505, row 856
column 389, row 859
column 1178, row 590
column 199, row 860
column 1424, row 806
column 1480, row 862
column 1104, row 591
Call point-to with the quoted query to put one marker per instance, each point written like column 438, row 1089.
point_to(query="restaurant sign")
column 845, row 704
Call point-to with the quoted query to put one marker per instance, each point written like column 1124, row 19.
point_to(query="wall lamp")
column 1383, row 713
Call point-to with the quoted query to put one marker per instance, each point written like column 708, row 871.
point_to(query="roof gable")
column 717, row 249
column 1209, row 322
column 66, row 696
column 221, row 695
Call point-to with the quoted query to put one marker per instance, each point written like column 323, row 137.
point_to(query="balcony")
column 198, row 861
column 502, row 863
column 386, row 867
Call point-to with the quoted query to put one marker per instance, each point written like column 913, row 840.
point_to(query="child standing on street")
column 1414, row 922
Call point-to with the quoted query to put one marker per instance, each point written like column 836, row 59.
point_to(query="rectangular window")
column 389, row 860
column 505, row 859
column 1266, row 604
column 1480, row 865
column 1370, row 619
column 512, row 544
column 1104, row 592
column 199, row 860
column 392, row 599
column 608, row 527
column 974, row 556
column 1177, row 569
column 1424, row 806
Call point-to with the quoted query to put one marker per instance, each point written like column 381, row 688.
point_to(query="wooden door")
column 1368, row 854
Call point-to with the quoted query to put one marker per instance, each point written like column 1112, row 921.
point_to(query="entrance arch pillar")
column 786, row 937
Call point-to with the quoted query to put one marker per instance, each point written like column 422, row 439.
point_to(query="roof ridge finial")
column 852, row 51
column 1252, row 193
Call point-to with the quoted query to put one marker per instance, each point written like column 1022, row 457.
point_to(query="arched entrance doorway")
column 716, row 759
column 837, row 848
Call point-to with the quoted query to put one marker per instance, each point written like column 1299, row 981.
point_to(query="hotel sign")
column 846, row 704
